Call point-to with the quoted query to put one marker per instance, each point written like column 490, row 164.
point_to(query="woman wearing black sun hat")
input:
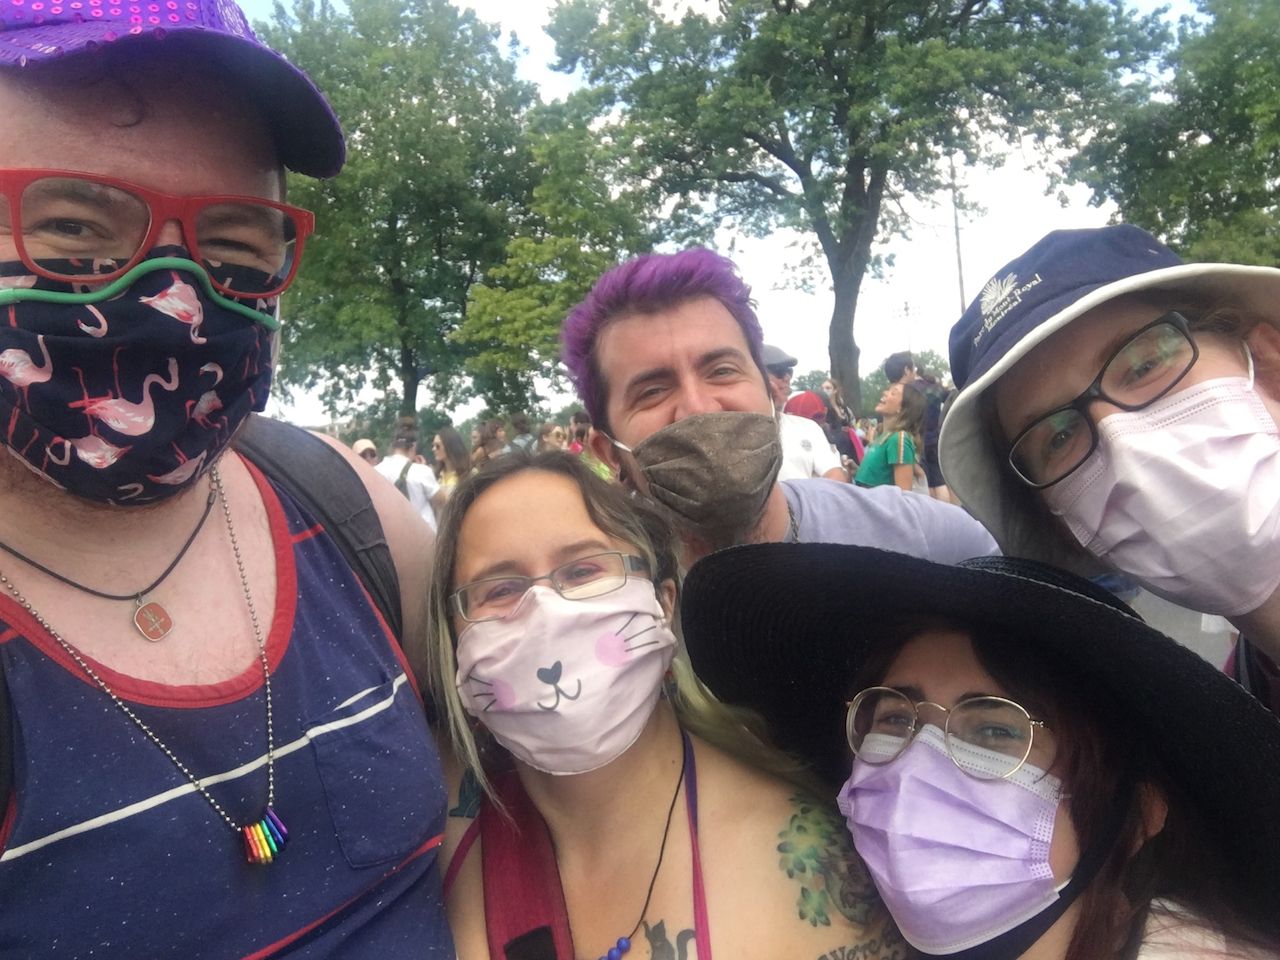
column 1035, row 772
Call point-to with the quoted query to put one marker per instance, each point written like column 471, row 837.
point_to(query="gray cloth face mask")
column 712, row 472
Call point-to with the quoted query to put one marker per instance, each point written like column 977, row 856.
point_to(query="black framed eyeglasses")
column 1144, row 368
column 494, row 598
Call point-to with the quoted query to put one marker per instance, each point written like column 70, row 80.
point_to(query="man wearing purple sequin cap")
column 211, row 742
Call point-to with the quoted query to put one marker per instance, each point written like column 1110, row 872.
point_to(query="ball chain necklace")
column 265, row 837
column 150, row 618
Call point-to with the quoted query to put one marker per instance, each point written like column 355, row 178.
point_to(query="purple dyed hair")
column 649, row 284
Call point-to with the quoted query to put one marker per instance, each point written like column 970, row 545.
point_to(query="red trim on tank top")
column 396, row 648
column 273, row 948
column 308, row 533
column 193, row 696
column 10, row 818
column 8, row 635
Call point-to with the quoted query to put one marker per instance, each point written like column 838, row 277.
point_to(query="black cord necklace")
column 150, row 618
column 624, row 943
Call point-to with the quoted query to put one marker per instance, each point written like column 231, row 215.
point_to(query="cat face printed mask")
column 567, row 685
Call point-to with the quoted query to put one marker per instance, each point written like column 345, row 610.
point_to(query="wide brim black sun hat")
column 784, row 629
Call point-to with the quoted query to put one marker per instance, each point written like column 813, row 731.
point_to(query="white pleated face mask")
column 1184, row 496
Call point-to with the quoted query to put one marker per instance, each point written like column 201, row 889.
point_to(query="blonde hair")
column 622, row 517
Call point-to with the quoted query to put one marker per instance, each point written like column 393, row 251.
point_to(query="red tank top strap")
column 701, row 924
column 465, row 843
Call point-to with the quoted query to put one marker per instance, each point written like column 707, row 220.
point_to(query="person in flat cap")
column 1026, row 768
column 806, row 451
column 1118, row 410
column 210, row 745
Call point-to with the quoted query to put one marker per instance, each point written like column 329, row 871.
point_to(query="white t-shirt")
column 420, row 483
column 805, row 450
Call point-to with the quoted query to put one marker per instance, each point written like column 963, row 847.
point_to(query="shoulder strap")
column 402, row 484
column 525, row 916
column 6, row 745
column 325, row 485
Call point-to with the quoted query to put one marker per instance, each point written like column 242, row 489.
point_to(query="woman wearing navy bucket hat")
column 1118, row 409
column 1029, row 770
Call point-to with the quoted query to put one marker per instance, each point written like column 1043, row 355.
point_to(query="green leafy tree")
column 1199, row 165
column 810, row 381
column 437, row 178
column 822, row 115
column 583, row 220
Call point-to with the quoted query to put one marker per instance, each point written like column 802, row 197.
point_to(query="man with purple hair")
column 211, row 744
column 665, row 352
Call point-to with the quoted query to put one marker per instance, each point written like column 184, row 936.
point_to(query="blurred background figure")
column 832, row 391
column 452, row 462
column 551, row 436
column 579, row 430
column 523, row 439
column 806, row 449
column 367, row 450
column 415, row 480
column 892, row 459
column 804, row 410
column 935, row 395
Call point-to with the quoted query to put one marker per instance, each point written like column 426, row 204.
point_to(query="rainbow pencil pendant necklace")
column 264, row 840
column 267, row 836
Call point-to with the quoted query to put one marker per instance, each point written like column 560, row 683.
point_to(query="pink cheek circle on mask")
column 611, row 650
column 504, row 695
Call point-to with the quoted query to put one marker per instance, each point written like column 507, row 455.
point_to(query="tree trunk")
column 843, row 350
column 408, row 382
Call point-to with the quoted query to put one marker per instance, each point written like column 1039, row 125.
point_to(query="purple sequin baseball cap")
column 306, row 131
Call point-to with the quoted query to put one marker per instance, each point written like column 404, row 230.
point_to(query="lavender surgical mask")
column 958, row 861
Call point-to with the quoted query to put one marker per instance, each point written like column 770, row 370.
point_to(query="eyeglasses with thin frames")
column 987, row 737
column 494, row 598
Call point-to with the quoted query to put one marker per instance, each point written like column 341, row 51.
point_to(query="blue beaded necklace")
column 624, row 943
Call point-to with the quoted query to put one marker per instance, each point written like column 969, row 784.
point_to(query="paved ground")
column 1209, row 636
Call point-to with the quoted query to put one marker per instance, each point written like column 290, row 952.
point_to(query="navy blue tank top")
column 108, row 851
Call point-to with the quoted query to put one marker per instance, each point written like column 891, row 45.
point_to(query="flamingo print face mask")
column 126, row 394
column 567, row 685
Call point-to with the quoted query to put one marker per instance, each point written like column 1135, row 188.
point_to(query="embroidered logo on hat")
column 998, row 297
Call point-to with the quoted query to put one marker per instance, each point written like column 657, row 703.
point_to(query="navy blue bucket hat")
column 1062, row 277
column 307, row 135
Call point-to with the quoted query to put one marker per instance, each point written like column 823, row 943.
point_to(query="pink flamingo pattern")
column 185, row 470
column 99, row 329
column 179, row 300
column 208, row 402
column 92, row 449
column 18, row 368
column 124, row 416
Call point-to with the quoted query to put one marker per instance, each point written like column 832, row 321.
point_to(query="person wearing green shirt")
column 892, row 459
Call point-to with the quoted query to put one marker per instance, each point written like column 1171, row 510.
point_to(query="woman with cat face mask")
column 1028, row 769
column 600, row 807
column 1119, row 410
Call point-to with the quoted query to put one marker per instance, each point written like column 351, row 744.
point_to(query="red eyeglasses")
column 83, row 228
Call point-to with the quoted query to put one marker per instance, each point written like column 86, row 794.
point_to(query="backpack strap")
column 402, row 483
column 327, row 487
column 6, row 746
column 525, row 916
